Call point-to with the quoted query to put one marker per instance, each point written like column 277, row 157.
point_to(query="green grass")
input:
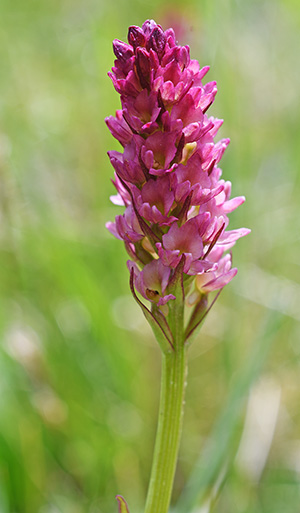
column 78, row 387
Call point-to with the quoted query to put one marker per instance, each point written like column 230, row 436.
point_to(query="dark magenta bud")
column 121, row 50
column 157, row 41
column 143, row 67
column 148, row 26
column 136, row 37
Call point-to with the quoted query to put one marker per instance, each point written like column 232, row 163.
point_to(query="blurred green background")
column 79, row 369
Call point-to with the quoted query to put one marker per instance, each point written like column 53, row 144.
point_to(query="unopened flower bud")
column 143, row 67
column 121, row 50
column 157, row 41
column 136, row 37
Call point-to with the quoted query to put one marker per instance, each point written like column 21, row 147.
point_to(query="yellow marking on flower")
column 188, row 150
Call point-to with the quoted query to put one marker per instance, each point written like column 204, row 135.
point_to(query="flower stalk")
column 173, row 382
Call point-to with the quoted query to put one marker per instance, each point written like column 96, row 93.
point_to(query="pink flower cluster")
column 167, row 177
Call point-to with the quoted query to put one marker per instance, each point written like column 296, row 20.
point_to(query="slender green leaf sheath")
column 173, row 382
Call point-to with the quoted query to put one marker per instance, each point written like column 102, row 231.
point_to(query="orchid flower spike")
column 168, row 176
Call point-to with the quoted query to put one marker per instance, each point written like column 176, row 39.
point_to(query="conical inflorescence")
column 167, row 176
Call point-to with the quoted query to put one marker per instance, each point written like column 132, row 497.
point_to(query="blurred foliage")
column 79, row 369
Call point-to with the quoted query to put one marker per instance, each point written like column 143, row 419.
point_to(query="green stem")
column 174, row 368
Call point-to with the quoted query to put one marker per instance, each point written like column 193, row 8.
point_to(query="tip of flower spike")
column 149, row 25
column 151, row 35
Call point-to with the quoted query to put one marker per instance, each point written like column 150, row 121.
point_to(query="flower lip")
column 152, row 281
